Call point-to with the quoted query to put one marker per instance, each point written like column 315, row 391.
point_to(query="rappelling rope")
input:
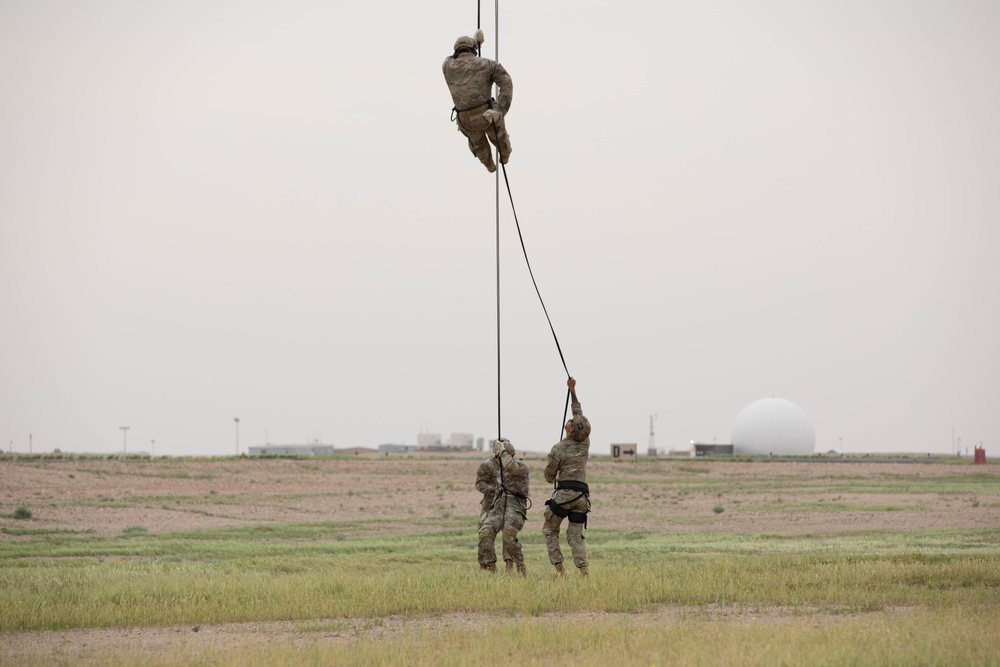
column 520, row 236
column 531, row 273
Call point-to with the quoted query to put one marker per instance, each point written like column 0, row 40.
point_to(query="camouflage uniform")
column 487, row 481
column 567, row 466
column 470, row 79
column 507, row 514
column 515, row 502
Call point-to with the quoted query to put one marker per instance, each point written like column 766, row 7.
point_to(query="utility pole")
column 124, row 430
column 153, row 445
column 651, row 451
column 237, row 420
column 29, row 443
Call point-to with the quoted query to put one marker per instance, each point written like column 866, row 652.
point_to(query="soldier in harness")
column 508, row 512
column 567, row 470
column 470, row 80
column 487, row 480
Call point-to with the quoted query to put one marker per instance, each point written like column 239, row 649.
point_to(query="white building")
column 461, row 441
column 773, row 426
column 429, row 440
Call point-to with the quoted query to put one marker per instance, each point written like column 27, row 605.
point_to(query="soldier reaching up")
column 567, row 470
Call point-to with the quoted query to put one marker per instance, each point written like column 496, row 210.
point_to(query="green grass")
column 917, row 637
column 303, row 571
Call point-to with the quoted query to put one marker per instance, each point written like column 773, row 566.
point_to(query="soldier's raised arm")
column 506, row 85
column 485, row 477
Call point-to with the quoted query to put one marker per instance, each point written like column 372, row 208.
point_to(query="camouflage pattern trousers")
column 477, row 130
column 506, row 518
column 492, row 538
column 574, row 531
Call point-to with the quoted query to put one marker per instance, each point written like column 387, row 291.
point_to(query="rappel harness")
column 507, row 492
column 558, row 508
column 455, row 111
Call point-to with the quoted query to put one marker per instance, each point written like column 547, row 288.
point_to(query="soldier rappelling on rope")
column 479, row 116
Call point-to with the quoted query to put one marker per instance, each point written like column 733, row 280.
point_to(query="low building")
column 396, row 449
column 706, row 449
column 292, row 450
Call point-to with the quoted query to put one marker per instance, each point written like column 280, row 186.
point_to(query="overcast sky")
column 212, row 210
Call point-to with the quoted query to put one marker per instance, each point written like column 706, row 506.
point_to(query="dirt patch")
column 63, row 647
column 108, row 497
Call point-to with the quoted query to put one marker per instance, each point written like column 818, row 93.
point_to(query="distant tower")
column 652, row 436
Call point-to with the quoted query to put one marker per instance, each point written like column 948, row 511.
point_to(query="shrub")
column 22, row 512
column 718, row 509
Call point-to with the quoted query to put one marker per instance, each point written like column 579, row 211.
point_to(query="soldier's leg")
column 478, row 144
column 487, row 541
column 500, row 139
column 512, row 525
column 574, row 535
column 550, row 529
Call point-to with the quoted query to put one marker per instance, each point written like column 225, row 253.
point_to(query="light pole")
column 153, row 445
column 124, row 438
column 237, row 420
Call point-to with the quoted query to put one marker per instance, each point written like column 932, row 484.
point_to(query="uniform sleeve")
column 484, row 478
column 506, row 86
column 513, row 467
column 552, row 466
column 577, row 410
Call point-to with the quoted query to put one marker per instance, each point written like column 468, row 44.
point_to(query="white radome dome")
column 773, row 426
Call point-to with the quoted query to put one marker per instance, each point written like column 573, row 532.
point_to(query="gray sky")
column 260, row 210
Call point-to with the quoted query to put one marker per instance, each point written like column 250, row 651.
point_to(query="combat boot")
column 522, row 570
column 559, row 569
column 510, row 566
column 491, row 166
column 584, row 572
column 492, row 567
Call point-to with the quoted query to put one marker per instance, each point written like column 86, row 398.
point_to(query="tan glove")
column 492, row 115
column 498, row 447
column 479, row 36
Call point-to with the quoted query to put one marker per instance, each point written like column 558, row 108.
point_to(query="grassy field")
column 407, row 590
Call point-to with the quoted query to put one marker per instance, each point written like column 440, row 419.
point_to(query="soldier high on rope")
column 470, row 80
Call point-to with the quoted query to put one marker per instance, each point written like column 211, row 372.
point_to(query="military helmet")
column 581, row 428
column 466, row 43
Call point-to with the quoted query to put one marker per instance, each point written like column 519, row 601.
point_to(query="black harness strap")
column 455, row 110
column 558, row 508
